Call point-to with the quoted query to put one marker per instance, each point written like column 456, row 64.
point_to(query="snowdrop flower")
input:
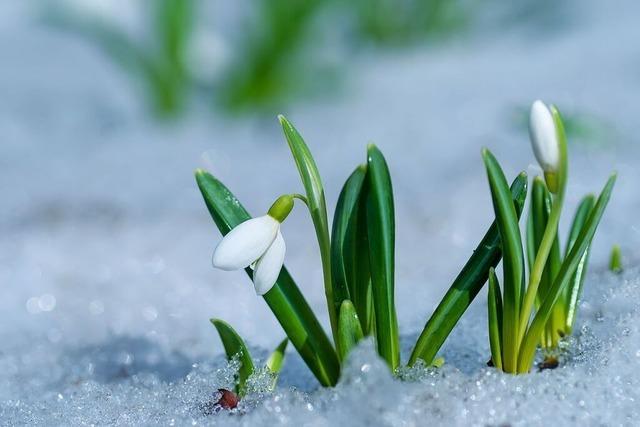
column 544, row 139
column 257, row 243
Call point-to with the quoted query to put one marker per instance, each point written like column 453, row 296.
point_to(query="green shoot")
column 234, row 346
column 349, row 330
column 615, row 261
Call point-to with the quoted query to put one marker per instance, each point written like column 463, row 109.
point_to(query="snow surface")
column 105, row 243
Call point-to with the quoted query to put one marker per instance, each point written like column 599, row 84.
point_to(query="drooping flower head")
column 258, row 243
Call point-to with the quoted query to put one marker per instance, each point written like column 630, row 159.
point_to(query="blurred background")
column 107, row 107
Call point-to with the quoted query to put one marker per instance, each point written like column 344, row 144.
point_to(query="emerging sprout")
column 544, row 140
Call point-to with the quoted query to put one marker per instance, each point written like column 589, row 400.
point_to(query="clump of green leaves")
column 358, row 265
column 555, row 280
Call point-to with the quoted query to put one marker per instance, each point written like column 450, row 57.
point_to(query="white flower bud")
column 544, row 138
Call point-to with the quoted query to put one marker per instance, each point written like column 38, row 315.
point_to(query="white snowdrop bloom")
column 269, row 265
column 258, row 243
column 243, row 245
column 544, row 139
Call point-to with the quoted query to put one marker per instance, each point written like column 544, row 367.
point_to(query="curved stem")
column 300, row 197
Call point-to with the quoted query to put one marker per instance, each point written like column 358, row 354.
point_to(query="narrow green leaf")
column 381, row 232
column 540, row 210
column 350, row 247
column 513, row 259
column 312, row 183
column 531, row 243
column 571, row 262
column 234, row 346
column 574, row 289
column 541, row 203
column 615, row 261
column 349, row 330
column 494, row 306
column 467, row 284
column 285, row 299
column 276, row 359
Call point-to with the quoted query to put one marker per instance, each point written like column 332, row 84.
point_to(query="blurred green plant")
column 401, row 22
column 277, row 56
column 273, row 60
column 615, row 260
column 158, row 61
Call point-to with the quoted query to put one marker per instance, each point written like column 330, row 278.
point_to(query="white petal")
column 245, row 243
column 544, row 139
column 268, row 267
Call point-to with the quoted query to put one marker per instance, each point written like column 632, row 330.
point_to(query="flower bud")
column 544, row 140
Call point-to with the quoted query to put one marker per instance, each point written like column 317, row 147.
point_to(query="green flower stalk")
column 550, row 148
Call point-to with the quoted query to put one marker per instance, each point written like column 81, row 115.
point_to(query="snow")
column 105, row 243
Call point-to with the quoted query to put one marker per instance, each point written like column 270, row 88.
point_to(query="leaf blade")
column 494, row 308
column 234, row 345
column 350, row 247
column 381, row 235
column 574, row 289
column 276, row 358
column 513, row 259
column 349, row 330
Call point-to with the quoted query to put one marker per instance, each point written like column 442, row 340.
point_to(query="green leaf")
column 318, row 210
column 513, row 259
column 276, row 360
column 467, row 284
column 381, row 232
column 571, row 262
column 350, row 247
column 285, row 299
column 540, row 210
column 234, row 346
column 574, row 289
column 541, row 203
column 349, row 330
column 494, row 306
column 531, row 241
